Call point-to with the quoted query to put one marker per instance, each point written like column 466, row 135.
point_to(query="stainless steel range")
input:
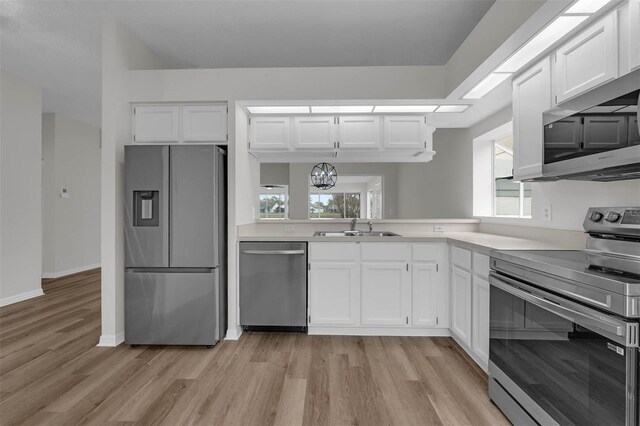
column 564, row 327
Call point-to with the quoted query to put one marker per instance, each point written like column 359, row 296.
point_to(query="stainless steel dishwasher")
column 273, row 285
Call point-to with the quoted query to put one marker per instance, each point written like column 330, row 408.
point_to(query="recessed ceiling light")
column 341, row 109
column 405, row 108
column 486, row 85
column 587, row 6
column 452, row 108
column 545, row 38
column 274, row 109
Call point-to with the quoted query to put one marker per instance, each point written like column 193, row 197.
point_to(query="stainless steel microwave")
column 595, row 136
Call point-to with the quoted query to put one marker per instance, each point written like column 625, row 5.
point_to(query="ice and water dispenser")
column 147, row 208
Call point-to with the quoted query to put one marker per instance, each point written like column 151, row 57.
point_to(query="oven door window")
column 571, row 372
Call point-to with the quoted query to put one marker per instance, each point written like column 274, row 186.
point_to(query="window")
column 510, row 198
column 494, row 191
column 340, row 205
column 274, row 202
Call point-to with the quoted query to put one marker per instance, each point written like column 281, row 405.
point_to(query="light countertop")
column 476, row 241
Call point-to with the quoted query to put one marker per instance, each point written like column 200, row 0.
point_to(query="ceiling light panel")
column 486, row 85
column 405, row 108
column 587, row 6
column 452, row 108
column 342, row 109
column 274, row 109
column 542, row 41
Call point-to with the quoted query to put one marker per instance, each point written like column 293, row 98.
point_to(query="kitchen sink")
column 355, row 234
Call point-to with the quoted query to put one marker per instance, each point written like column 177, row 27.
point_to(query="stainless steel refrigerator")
column 175, row 244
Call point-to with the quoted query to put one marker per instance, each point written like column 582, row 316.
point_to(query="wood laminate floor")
column 52, row 373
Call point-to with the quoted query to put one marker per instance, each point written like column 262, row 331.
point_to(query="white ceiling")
column 57, row 45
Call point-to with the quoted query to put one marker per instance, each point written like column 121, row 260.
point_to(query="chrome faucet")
column 370, row 226
column 353, row 224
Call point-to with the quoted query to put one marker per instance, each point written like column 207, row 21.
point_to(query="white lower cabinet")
column 334, row 284
column 470, row 302
column 333, row 293
column 378, row 288
column 385, row 293
column 395, row 288
column 480, row 329
column 426, row 295
column 461, row 304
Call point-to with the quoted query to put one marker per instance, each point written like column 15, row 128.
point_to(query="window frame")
column 521, row 197
column 277, row 190
column 484, row 176
column 329, row 192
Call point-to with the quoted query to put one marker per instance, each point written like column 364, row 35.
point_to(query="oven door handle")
column 612, row 328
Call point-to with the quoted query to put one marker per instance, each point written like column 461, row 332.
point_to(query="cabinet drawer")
column 391, row 252
column 335, row 252
column 427, row 252
column 461, row 257
column 481, row 265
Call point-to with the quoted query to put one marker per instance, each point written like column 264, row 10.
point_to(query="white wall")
column 442, row 187
column 71, row 160
column 20, row 188
column 288, row 83
column 121, row 51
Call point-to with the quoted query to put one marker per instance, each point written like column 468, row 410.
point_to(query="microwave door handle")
column 613, row 329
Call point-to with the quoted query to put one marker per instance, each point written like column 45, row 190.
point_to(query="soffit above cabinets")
column 445, row 113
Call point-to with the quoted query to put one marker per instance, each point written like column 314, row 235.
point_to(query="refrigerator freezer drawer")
column 171, row 307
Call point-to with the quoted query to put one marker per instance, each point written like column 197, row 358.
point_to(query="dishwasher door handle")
column 271, row 252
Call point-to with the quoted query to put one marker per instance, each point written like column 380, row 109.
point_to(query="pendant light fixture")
column 324, row 176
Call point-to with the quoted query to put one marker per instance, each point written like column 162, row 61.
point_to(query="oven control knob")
column 612, row 217
column 595, row 216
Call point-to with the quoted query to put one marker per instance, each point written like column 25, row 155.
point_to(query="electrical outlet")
column 289, row 228
column 546, row 213
column 438, row 228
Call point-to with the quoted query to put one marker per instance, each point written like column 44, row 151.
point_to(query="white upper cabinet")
column 531, row 97
column 629, row 36
column 269, row 133
column 405, row 132
column 204, row 123
column 359, row 131
column 634, row 35
column 314, row 133
column 159, row 124
column 587, row 60
column 179, row 123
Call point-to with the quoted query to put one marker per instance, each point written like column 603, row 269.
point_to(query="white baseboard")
column 69, row 271
column 233, row 333
column 111, row 340
column 21, row 297
column 379, row 331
